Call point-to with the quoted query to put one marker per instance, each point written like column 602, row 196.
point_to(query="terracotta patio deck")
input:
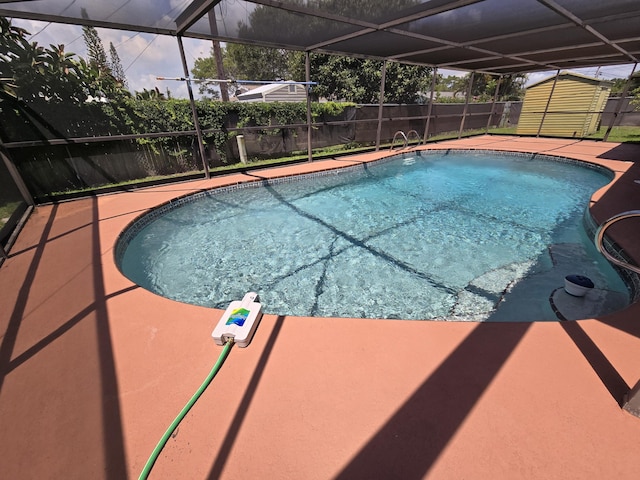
column 94, row 369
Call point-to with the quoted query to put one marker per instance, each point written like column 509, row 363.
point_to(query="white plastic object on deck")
column 239, row 321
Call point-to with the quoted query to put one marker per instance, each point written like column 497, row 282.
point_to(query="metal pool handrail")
column 399, row 132
column 417, row 135
column 599, row 237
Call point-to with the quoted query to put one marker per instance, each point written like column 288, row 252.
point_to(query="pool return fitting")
column 237, row 325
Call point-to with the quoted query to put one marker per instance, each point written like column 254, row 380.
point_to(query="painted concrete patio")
column 93, row 368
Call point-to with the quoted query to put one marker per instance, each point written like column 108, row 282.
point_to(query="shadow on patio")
column 56, row 339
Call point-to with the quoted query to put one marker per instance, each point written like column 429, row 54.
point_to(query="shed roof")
column 493, row 36
column 574, row 76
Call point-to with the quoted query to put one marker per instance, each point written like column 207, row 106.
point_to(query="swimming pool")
column 454, row 235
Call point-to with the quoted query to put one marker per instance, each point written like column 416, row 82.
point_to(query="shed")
column 574, row 109
column 275, row 92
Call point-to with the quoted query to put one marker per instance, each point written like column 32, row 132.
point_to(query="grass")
column 504, row 131
column 452, row 135
column 133, row 182
column 617, row 134
column 234, row 167
column 6, row 210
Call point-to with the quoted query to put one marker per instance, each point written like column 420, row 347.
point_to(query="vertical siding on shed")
column 574, row 109
column 600, row 101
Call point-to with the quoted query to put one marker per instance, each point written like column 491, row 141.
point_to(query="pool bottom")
column 331, row 257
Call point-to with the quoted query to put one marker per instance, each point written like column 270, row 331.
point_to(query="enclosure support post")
column 493, row 105
column 381, row 104
column 194, row 112
column 217, row 54
column 466, row 104
column 16, row 177
column 433, row 88
column 307, row 87
column 546, row 108
column 623, row 95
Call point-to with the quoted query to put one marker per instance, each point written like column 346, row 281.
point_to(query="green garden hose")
column 156, row 451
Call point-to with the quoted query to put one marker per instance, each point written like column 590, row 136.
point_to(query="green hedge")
column 175, row 115
column 50, row 120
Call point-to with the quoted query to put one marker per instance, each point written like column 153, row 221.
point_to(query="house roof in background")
column 492, row 36
column 265, row 89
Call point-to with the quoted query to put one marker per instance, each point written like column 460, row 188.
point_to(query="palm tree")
column 153, row 94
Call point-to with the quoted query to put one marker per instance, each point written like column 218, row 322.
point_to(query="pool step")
column 596, row 302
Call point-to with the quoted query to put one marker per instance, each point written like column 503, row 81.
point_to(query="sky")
column 143, row 56
column 146, row 56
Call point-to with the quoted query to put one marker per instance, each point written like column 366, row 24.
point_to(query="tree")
column 154, row 94
column 243, row 62
column 358, row 80
column 275, row 25
column 633, row 90
column 484, row 86
column 407, row 83
column 106, row 80
column 512, row 87
column 339, row 78
column 60, row 66
column 246, row 62
column 13, row 44
column 95, row 50
column 53, row 89
column 344, row 78
column 205, row 68
column 38, row 75
column 116, row 66
column 457, row 85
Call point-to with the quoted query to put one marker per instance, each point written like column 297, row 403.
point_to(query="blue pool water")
column 458, row 236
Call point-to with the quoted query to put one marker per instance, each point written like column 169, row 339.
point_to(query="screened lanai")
column 94, row 367
column 494, row 37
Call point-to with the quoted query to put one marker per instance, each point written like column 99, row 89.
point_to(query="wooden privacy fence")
column 55, row 166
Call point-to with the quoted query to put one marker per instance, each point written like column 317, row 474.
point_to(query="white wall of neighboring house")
column 275, row 92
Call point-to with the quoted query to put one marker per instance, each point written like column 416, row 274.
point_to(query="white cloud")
column 54, row 33
column 538, row 77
